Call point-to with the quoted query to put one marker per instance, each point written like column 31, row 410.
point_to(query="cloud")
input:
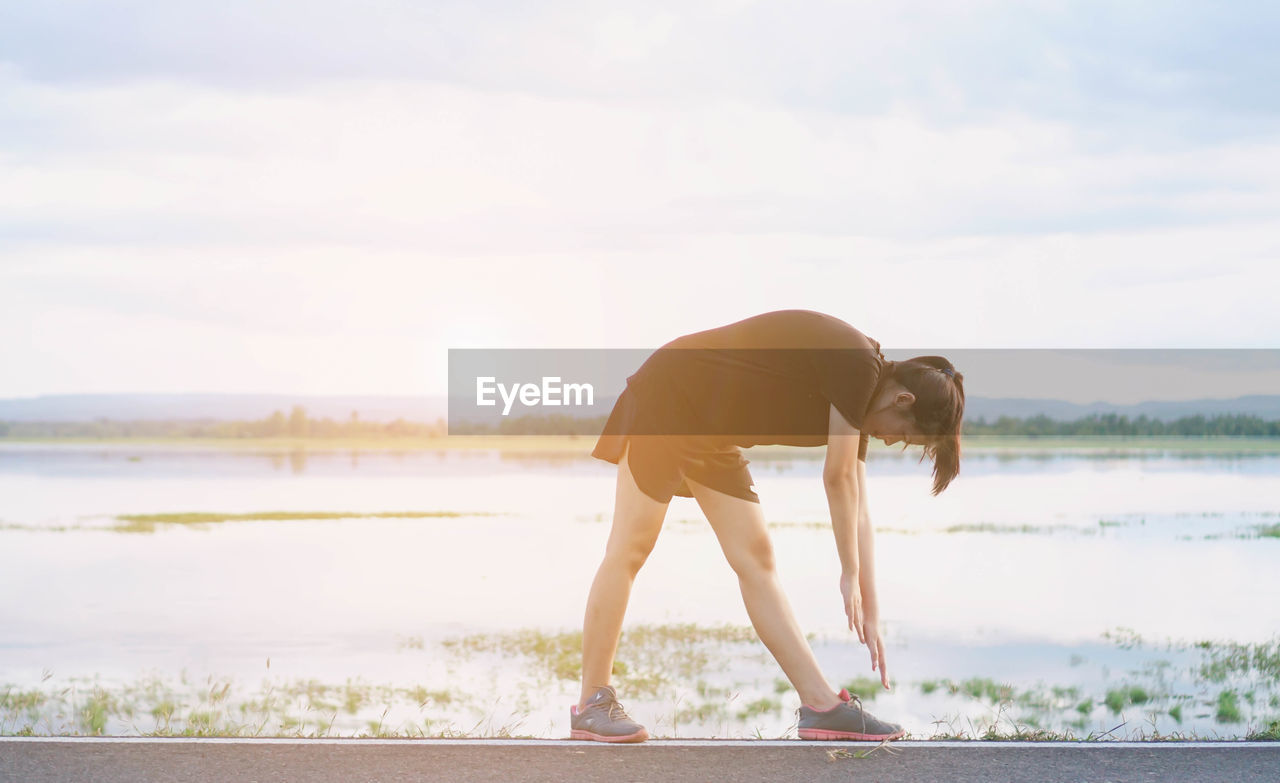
column 440, row 168
column 1175, row 70
column 352, row 189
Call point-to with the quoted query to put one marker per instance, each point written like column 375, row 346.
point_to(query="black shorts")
column 660, row 462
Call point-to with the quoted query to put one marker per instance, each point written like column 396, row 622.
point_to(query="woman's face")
column 891, row 420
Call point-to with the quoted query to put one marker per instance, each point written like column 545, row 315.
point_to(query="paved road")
column 106, row 760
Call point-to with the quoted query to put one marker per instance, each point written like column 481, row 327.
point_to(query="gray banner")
column 573, row 391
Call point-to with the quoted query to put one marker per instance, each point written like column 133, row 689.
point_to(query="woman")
column 793, row 377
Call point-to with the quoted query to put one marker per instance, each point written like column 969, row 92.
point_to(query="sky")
column 324, row 197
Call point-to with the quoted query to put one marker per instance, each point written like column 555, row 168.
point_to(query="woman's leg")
column 740, row 527
column 637, row 519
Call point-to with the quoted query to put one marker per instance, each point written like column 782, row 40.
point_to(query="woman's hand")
column 866, row 623
column 871, row 637
column 852, row 595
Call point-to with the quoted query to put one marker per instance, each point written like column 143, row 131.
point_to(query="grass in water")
column 297, row 708
column 865, row 688
column 1270, row 733
column 650, row 657
column 146, row 523
column 706, row 673
column 1227, row 659
column 1228, row 708
column 974, row 687
column 989, row 527
column 1119, row 698
column 764, row 706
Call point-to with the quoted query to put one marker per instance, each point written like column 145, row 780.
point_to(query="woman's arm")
column 866, row 548
column 870, row 634
column 840, row 477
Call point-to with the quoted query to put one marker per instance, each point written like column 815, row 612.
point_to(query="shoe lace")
column 616, row 711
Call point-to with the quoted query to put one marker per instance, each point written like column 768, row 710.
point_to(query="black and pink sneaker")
column 845, row 721
column 604, row 720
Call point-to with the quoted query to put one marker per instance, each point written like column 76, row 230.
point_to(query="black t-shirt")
column 768, row 379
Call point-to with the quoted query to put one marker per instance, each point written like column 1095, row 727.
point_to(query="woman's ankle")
column 822, row 701
column 587, row 692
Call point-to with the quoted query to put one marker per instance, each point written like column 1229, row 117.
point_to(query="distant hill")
column 225, row 407
column 428, row 408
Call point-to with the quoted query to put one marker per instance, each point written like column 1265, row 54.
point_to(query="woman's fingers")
column 884, row 673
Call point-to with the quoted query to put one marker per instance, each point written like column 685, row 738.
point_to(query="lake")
column 1122, row 596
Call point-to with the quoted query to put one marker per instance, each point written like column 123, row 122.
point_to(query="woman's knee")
column 628, row 555
column 753, row 557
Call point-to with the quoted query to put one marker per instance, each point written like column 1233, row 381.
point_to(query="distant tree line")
column 553, row 424
column 299, row 425
column 1110, row 424
column 296, row 425
column 1229, row 425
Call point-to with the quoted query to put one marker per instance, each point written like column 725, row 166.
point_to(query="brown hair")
column 938, row 410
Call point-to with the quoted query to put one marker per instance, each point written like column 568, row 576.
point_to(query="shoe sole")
column 583, row 734
column 829, row 734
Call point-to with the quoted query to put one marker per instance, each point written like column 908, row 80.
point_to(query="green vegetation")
column 864, row 687
column 1226, row 425
column 982, row 687
column 704, row 712
column 1224, row 660
column 298, row 708
column 535, row 424
column 1119, row 698
column 762, row 706
column 706, row 675
column 556, row 654
column 198, row 518
column 1107, row 445
column 296, row 449
column 974, row 687
column 93, row 714
column 651, row 658
column 296, row 425
column 1228, row 708
column 1270, row 733
column 989, row 527
column 146, row 523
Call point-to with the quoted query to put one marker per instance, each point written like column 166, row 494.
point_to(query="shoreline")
column 583, row 444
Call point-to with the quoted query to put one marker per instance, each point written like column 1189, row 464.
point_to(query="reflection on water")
column 160, row 460
column 1043, row 557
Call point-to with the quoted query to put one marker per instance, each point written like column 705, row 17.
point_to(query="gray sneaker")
column 604, row 720
column 845, row 721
